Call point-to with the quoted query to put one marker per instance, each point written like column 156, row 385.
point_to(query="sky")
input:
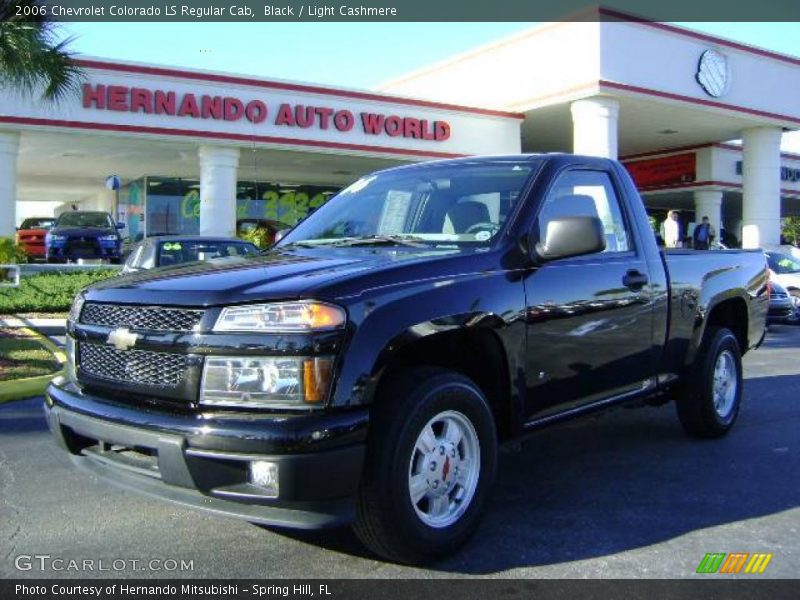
column 350, row 55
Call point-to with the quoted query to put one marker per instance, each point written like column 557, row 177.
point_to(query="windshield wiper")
column 382, row 240
column 298, row 244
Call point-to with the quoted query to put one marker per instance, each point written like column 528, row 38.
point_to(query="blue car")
column 84, row 234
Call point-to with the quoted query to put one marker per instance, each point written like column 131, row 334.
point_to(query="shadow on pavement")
column 605, row 484
column 22, row 416
column 625, row 480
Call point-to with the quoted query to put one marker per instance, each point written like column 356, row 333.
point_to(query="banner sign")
column 230, row 108
column 788, row 174
column 663, row 171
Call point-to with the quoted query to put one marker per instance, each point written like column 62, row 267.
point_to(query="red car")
column 31, row 235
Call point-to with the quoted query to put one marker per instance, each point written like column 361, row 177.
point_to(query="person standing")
column 671, row 230
column 703, row 235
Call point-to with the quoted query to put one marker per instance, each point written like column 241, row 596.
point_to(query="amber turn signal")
column 317, row 375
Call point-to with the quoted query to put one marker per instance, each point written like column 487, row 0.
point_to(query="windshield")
column 460, row 204
column 37, row 223
column 85, row 219
column 180, row 251
column 782, row 263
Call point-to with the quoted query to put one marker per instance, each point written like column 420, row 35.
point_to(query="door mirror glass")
column 569, row 236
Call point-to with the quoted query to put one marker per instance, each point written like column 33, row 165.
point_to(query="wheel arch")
column 477, row 353
column 732, row 314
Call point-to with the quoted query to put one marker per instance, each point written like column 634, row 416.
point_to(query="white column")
column 9, row 149
column 594, row 126
column 106, row 200
column 761, row 190
column 218, row 169
column 708, row 203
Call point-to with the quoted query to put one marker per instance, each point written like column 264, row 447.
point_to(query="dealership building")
column 197, row 150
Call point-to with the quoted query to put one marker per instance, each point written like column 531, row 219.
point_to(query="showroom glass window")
column 173, row 204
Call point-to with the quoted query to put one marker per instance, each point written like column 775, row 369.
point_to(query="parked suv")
column 84, row 234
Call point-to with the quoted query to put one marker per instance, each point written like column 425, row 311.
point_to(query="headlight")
column 108, row 238
column 284, row 317
column 75, row 309
column 54, row 237
column 266, row 382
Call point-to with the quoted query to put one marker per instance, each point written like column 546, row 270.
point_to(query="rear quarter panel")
column 700, row 281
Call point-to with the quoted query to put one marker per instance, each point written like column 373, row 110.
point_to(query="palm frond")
column 32, row 59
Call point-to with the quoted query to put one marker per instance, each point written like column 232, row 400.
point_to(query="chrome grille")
column 152, row 318
column 139, row 367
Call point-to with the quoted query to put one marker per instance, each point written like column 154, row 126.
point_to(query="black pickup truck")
column 366, row 368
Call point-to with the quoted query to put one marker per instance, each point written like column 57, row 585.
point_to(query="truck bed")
column 698, row 281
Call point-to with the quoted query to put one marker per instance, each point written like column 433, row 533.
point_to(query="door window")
column 587, row 194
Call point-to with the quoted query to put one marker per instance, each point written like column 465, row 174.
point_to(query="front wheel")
column 709, row 401
column 431, row 459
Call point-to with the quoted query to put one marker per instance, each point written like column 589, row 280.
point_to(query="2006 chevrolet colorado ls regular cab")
column 366, row 368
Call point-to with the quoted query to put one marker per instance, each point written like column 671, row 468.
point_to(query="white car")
column 785, row 270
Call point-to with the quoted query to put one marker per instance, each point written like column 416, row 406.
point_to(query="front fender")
column 385, row 321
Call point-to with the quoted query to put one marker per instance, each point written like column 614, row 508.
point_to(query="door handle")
column 634, row 280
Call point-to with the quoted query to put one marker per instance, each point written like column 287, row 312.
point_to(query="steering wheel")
column 492, row 228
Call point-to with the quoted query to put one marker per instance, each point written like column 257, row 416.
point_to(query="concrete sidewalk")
column 35, row 323
column 53, row 329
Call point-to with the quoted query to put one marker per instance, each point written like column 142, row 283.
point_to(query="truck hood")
column 277, row 275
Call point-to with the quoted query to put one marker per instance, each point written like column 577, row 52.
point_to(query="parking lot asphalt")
column 623, row 494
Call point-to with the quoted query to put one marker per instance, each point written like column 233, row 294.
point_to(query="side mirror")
column 120, row 225
column 569, row 236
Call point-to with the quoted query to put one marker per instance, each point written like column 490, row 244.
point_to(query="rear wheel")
column 794, row 318
column 430, row 463
column 709, row 401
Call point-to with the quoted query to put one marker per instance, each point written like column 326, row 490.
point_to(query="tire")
column 452, row 492
column 711, row 396
column 794, row 319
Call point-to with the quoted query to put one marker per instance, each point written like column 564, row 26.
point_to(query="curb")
column 20, row 389
column 45, row 341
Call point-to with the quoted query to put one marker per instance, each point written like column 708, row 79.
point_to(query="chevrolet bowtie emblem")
column 122, row 338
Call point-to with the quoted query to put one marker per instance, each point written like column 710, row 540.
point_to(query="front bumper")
column 202, row 460
column 33, row 249
column 780, row 311
column 69, row 251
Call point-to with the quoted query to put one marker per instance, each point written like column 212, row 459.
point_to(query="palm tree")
column 31, row 56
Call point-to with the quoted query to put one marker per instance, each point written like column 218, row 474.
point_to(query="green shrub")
column 259, row 237
column 790, row 228
column 48, row 292
column 11, row 253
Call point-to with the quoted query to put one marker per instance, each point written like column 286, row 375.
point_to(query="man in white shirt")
column 671, row 230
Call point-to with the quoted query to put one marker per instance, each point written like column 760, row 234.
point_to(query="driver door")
column 589, row 318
